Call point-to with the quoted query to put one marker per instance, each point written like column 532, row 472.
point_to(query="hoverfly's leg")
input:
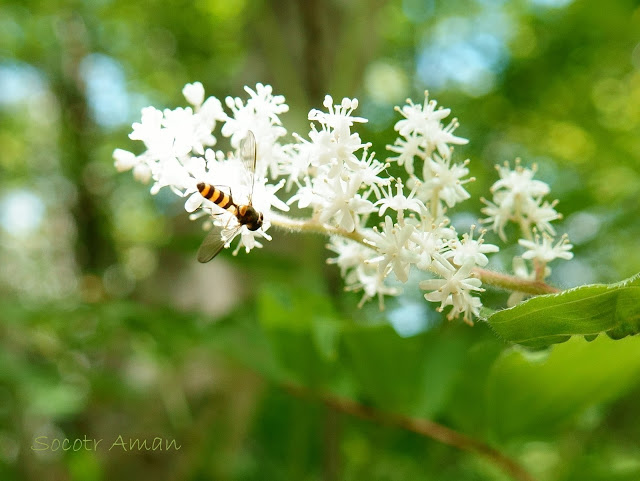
column 226, row 228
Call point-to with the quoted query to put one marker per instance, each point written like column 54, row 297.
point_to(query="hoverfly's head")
column 251, row 218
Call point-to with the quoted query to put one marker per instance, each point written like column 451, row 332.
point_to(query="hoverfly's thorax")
column 250, row 217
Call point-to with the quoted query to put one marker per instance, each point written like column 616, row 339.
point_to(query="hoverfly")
column 246, row 214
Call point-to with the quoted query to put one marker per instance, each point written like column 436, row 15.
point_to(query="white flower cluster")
column 176, row 156
column 519, row 198
column 383, row 228
column 346, row 187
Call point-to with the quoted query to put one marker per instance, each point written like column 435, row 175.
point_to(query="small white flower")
column 170, row 173
column 330, row 146
column 543, row 250
column 194, row 93
column 454, row 280
column 426, row 122
column 454, row 288
column 392, row 244
column 399, row 202
column 211, row 111
column 344, row 203
column 431, row 239
column 260, row 114
column 470, row 249
column 466, row 304
column 371, row 170
column 445, row 179
column 372, row 283
column 150, row 131
column 519, row 181
column 427, row 245
column 305, row 195
column 142, row 173
column 497, row 216
column 542, row 215
column 262, row 100
column 408, row 149
column 124, row 160
column 350, row 254
column 339, row 116
column 358, row 270
column 180, row 125
column 419, row 119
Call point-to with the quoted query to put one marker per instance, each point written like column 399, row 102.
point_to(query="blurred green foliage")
column 109, row 328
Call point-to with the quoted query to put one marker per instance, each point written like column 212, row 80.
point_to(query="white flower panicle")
column 423, row 133
column 345, row 186
column 178, row 153
column 382, row 228
column 519, row 198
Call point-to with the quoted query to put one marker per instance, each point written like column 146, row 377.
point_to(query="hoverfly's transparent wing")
column 248, row 155
column 215, row 242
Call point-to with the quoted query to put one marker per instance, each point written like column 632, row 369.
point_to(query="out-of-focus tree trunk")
column 94, row 245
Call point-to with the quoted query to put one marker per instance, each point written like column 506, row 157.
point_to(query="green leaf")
column 533, row 393
column 466, row 408
column 303, row 333
column 413, row 375
column 585, row 310
column 315, row 348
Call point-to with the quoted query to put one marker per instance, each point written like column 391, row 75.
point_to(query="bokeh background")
column 108, row 326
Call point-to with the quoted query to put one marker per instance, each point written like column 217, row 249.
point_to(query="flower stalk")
column 312, row 226
column 514, row 283
column 489, row 277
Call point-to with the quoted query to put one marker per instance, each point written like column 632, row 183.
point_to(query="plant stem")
column 514, row 283
column 496, row 279
column 435, row 203
column 314, row 227
column 424, row 427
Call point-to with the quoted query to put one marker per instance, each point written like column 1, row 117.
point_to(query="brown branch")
column 423, row 427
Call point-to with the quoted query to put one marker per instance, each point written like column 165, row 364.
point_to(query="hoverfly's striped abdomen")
column 216, row 196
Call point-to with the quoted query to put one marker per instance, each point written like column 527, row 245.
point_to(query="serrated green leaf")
column 586, row 310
